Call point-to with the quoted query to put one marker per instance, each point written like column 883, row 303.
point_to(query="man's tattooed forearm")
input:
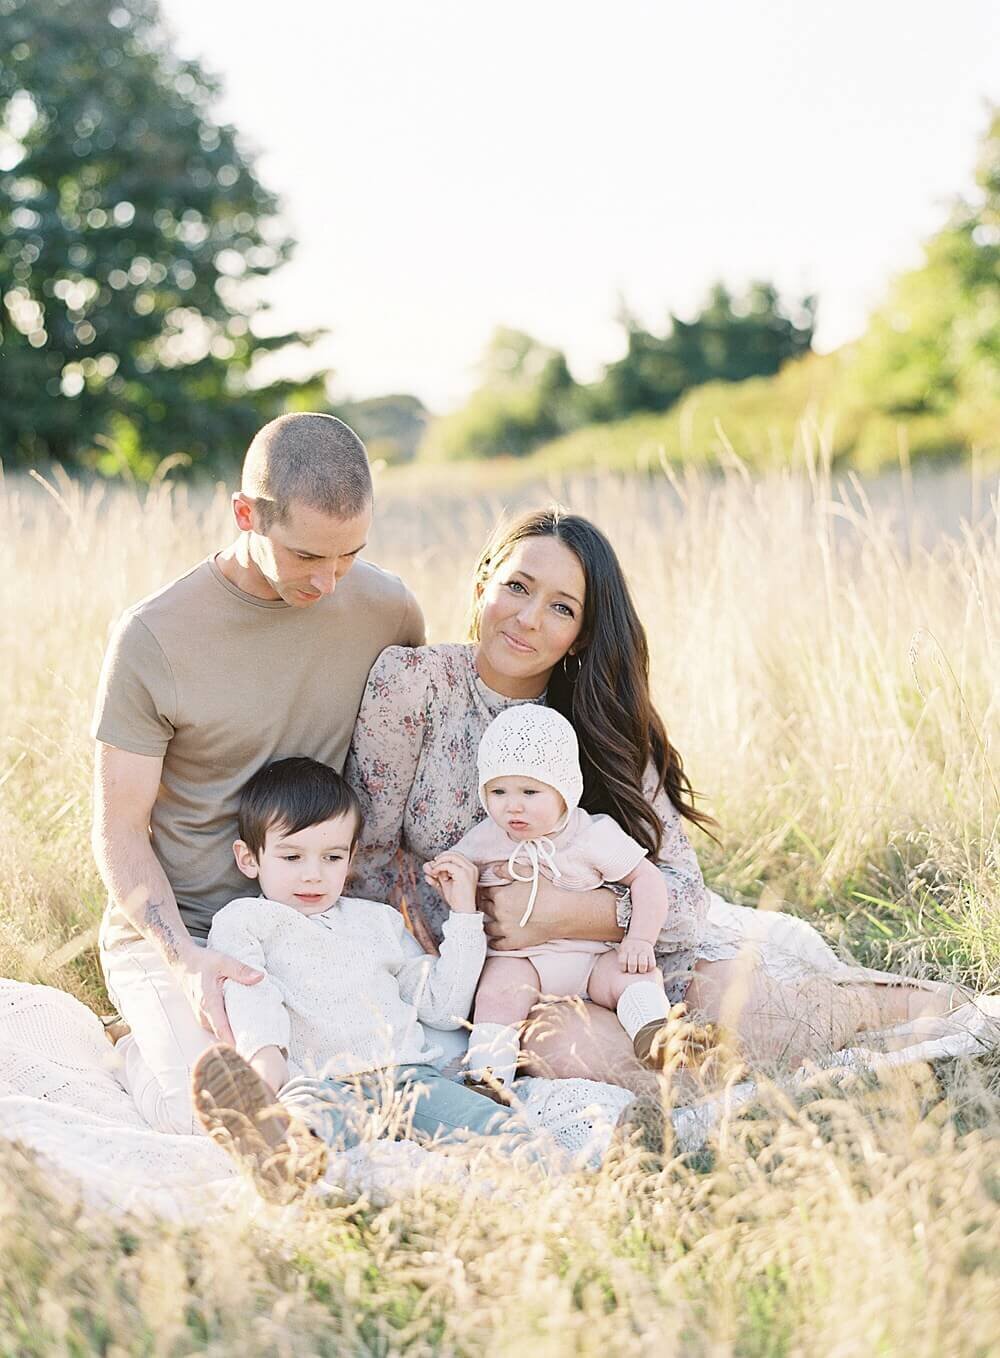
column 158, row 928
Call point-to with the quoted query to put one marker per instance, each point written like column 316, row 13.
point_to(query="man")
column 259, row 652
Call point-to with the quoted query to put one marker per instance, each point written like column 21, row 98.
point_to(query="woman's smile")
column 517, row 644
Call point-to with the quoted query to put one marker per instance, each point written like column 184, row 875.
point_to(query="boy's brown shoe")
column 242, row 1115
column 488, row 1085
column 115, row 1028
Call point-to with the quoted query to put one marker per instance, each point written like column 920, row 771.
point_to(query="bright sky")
column 449, row 166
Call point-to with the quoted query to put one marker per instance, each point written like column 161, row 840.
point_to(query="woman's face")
column 531, row 616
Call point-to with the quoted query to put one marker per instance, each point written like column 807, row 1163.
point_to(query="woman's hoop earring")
column 573, row 675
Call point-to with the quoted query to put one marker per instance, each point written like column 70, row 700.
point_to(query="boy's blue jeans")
column 340, row 1111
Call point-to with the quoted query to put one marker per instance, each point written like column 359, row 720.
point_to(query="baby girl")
column 530, row 785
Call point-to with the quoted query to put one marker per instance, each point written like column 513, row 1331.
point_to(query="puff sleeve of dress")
column 678, row 863
column 382, row 764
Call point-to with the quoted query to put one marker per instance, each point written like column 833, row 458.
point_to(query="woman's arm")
column 382, row 764
column 678, row 864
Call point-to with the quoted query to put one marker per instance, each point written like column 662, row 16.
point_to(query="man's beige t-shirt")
column 219, row 683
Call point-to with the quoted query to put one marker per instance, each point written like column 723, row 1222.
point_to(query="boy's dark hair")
column 294, row 793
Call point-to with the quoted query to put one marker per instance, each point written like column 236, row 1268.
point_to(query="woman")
column 553, row 622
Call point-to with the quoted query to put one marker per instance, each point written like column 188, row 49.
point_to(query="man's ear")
column 245, row 860
column 243, row 511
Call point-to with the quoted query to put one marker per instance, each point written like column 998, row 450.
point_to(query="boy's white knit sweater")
column 345, row 991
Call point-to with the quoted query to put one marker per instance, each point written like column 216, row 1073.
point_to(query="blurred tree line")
column 528, row 396
column 391, row 426
column 136, row 236
column 923, row 381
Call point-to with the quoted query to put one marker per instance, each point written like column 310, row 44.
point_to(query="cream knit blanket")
column 59, row 1096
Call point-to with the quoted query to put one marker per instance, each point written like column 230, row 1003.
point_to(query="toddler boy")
column 338, row 1019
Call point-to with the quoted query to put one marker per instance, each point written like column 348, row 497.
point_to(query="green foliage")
column 391, row 426
column 527, row 396
column 762, row 419
column 136, row 235
column 765, row 422
column 932, row 352
column 731, row 339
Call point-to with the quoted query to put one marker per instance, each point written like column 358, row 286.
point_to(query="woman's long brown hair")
column 603, row 689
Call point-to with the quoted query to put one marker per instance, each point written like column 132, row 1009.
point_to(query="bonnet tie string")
column 538, row 852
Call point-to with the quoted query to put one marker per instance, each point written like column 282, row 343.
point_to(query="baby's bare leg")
column 508, row 990
column 608, row 982
column 639, row 1001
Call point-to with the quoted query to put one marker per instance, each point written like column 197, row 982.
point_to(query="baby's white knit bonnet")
column 530, row 741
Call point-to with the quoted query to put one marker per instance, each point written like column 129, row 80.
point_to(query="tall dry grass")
column 825, row 656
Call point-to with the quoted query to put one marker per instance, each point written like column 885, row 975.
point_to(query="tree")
column 931, row 353
column 730, row 340
column 136, row 235
column 391, row 426
column 527, row 396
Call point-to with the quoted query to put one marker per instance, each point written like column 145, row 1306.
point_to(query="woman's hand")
column 636, row 955
column 557, row 913
column 456, row 877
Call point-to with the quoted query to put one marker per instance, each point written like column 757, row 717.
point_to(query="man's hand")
column 557, row 913
column 201, row 973
column 636, row 955
column 456, row 877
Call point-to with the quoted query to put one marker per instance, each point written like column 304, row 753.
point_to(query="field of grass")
column 825, row 656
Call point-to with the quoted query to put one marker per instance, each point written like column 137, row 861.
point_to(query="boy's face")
column 305, row 870
column 524, row 807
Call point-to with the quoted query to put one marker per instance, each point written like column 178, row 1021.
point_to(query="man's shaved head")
column 314, row 460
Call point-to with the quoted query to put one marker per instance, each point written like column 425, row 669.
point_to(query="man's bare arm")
column 125, row 788
column 557, row 913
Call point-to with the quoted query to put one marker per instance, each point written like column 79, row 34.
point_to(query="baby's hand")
column 456, row 877
column 636, row 954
